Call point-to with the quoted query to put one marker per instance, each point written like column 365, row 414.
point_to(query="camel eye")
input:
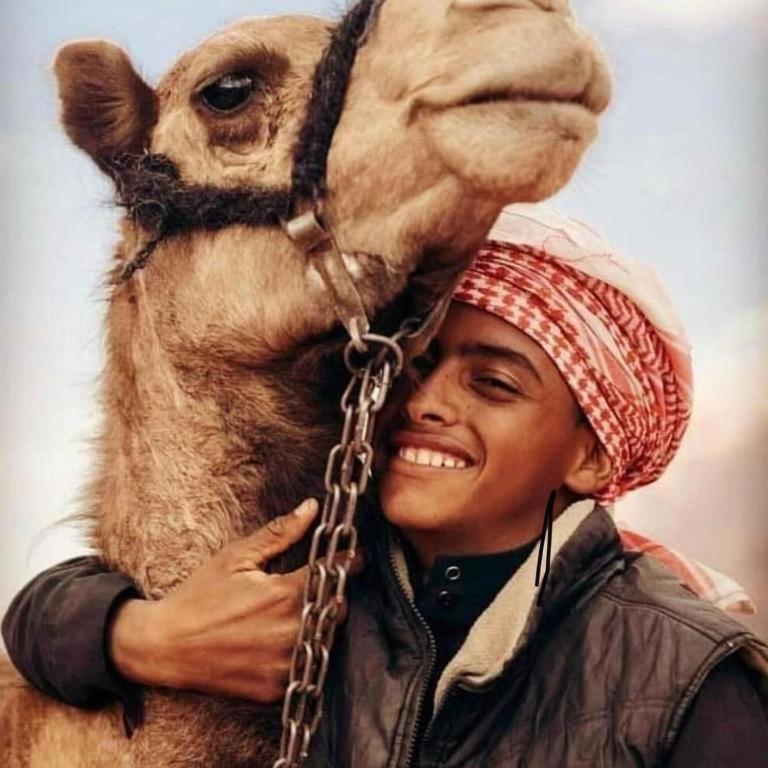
column 228, row 92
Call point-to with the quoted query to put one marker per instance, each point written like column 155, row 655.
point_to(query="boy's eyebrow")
column 504, row 353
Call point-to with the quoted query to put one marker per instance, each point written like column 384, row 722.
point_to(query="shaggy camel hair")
column 221, row 387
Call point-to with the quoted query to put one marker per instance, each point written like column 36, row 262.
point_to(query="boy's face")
column 488, row 433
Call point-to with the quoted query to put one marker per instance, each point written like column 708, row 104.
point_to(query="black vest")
column 602, row 677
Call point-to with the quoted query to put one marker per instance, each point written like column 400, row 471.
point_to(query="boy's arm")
column 55, row 631
column 77, row 634
column 726, row 725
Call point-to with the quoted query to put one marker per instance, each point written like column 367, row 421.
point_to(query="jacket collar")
column 585, row 551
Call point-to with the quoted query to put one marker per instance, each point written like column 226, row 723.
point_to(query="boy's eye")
column 422, row 364
column 495, row 384
column 425, row 364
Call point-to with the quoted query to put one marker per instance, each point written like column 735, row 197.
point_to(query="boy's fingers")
column 343, row 612
column 358, row 563
column 278, row 534
column 356, row 566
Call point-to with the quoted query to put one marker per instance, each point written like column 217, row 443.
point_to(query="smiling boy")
column 560, row 380
column 498, row 416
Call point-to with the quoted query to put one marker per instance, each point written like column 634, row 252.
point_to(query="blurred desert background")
column 677, row 178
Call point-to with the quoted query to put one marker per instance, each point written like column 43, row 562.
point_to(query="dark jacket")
column 603, row 674
column 55, row 631
column 55, row 634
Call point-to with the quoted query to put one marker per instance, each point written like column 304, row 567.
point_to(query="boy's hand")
column 229, row 629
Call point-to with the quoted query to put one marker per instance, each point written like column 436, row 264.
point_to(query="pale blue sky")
column 677, row 178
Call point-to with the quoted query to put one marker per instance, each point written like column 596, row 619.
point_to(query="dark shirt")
column 457, row 589
column 726, row 725
column 56, row 628
column 55, row 631
column 451, row 596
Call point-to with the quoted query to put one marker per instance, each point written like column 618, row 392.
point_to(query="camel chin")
column 513, row 149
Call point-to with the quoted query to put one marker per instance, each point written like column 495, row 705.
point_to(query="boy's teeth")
column 428, row 458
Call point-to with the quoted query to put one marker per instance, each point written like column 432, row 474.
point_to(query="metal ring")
column 453, row 573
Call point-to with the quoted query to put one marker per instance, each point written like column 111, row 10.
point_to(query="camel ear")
column 106, row 108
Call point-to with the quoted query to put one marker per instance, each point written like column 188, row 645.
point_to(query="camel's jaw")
column 514, row 148
column 515, row 105
column 513, row 138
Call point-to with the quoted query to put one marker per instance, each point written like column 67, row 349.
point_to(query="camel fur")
column 222, row 377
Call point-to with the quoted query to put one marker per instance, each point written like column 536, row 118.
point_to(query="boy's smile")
column 490, row 430
column 427, row 449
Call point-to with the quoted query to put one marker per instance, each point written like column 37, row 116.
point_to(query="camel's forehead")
column 297, row 39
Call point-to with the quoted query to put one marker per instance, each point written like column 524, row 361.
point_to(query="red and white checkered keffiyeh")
column 613, row 334
column 707, row 583
column 605, row 322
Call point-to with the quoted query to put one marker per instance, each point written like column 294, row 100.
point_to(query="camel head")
column 410, row 124
column 454, row 108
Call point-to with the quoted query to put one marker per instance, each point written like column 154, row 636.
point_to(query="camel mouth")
column 508, row 96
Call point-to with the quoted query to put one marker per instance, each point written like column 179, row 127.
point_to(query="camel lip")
column 509, row 95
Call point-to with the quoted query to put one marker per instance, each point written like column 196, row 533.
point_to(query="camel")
column 221, row 386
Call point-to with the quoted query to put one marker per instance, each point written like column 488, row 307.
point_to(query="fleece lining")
column 495, row 637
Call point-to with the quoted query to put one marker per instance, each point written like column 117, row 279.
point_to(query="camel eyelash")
column 240, row 102
column 265, row 66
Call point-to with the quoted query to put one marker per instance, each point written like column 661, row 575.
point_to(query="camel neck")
column 193, row 455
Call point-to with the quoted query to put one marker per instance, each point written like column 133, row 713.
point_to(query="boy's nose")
column 434, row 399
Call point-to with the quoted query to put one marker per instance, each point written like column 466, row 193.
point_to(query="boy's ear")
column 106, row 108
column 593, row 468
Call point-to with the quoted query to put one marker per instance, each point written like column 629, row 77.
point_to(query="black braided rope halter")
column 151, row 190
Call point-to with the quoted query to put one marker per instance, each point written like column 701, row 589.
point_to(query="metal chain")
column 374, row 362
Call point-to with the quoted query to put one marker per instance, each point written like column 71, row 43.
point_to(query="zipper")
column 453, row 691
column 430, row 665
column 449, row 694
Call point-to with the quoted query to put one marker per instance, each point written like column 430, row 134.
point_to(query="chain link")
column 374, row 362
